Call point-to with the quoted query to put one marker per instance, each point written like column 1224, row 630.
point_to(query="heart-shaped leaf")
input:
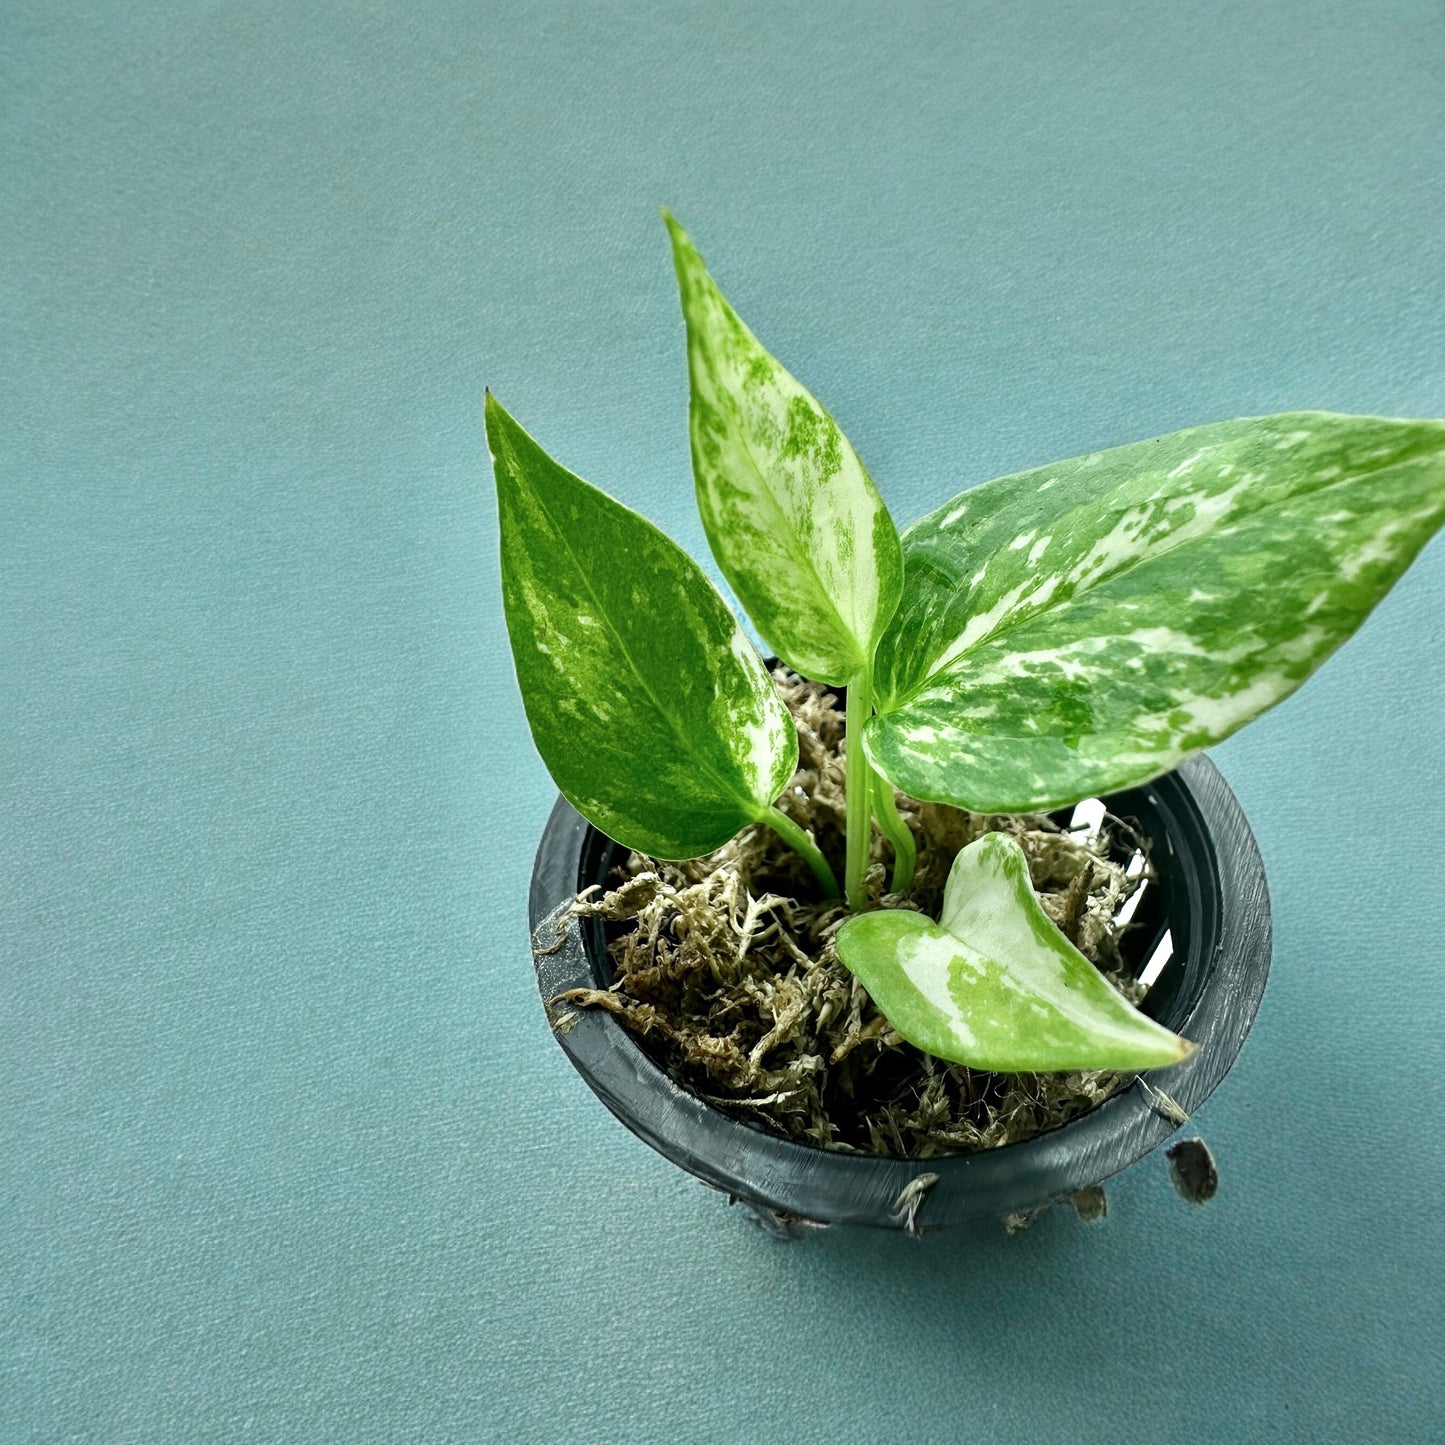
column 994, row 984
column 1085, row 626
column 793, row 519
column 649, row 706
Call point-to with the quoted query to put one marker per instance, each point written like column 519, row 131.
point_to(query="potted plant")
column 1075, row 632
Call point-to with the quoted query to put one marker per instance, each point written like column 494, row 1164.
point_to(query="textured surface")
column 287, row 1152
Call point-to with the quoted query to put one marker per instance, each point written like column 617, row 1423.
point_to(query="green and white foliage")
column 794, row 520
column 1042, row 638
column 1085, row 626
column 649, row 706
column 994, row 984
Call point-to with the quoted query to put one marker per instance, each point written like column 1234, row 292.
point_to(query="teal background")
column 286, row 1153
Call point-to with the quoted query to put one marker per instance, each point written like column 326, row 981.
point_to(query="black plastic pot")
column 1210, row 895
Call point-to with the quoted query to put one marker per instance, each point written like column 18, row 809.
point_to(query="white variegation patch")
column 763, row 726
column 994, row 984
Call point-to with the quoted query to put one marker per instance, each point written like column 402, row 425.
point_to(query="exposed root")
column 910, row 1200
column 725, row 968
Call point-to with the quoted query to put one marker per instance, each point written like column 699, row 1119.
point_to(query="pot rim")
column 808, row 1183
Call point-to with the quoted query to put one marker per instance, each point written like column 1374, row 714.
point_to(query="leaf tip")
column 1179, row 1047
column 674, row 226
column 685, row 257
column 501, row 429
column 500, row 422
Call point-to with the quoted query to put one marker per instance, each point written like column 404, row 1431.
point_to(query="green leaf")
column 1086, row 626
column 649, row 706
column 793, row 519
column 995, row 985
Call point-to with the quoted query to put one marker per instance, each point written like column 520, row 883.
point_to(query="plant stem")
column 905, row 850
column 798, row 840
column 857, row 783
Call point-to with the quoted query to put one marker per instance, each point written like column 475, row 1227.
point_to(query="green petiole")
column 905, row 850
column 858, row 789
column 802, row 844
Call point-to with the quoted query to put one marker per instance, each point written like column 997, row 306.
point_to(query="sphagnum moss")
column 725, row 969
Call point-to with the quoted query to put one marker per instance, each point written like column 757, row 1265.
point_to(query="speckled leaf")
column 994, row 984
column 793, row 519
column 1088, row 625
column 651, row 709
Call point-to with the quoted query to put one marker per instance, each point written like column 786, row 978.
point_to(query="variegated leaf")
column 793, row 519
column 1086, row 626
column 649, row 706
column 994, row 984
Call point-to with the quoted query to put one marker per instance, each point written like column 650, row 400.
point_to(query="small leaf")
column 1086, row 626
column 649, row 706
column 995, row 985
column 793, row 519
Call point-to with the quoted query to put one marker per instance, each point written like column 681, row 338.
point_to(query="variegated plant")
column 1040, row 639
